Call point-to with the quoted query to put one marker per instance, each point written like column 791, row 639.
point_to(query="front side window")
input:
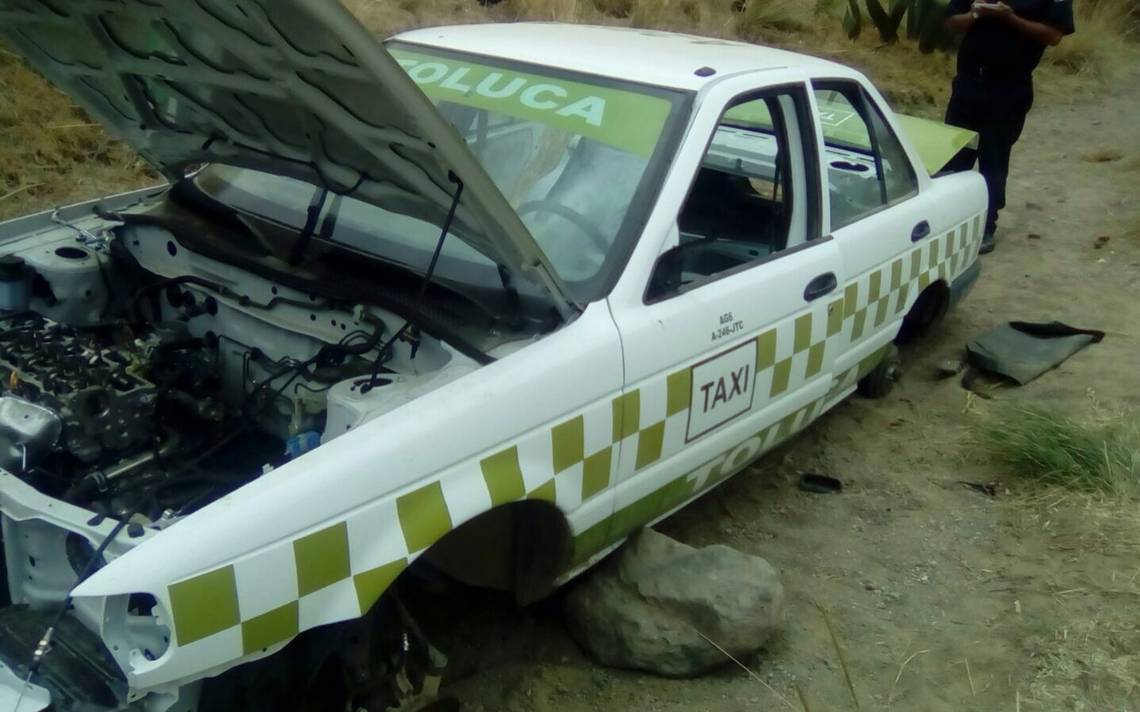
column 750, row 199
column 867, row 168
column 573, row 154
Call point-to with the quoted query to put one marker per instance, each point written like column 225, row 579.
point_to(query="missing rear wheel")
column 882, row 378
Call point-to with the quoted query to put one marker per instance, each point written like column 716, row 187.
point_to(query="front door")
column 732, row 347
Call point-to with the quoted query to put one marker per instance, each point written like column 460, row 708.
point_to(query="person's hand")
column 999, row 10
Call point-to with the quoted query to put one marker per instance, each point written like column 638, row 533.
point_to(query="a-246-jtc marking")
column 727, row 327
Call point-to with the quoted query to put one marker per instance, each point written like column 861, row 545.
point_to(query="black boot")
column 987, row 245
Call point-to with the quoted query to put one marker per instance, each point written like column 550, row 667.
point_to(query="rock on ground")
column 647, row 606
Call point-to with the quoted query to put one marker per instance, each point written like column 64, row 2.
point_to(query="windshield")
column 573, row 154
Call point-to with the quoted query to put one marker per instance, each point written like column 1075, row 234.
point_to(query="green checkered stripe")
column 261, row 601
column 334, row 573
column 570, row 463
column 888, row 291
column 681, row 490
column 865, row 305
column 674, row 494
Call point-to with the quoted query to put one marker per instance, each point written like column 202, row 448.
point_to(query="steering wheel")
column 580, row 221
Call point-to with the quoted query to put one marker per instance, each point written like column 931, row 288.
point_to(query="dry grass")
column 782, row 15
column 1089, row 664
column 1104, row 29
column 44, row 138
column 1087, row 657
column 386, row 17
column 704, row 17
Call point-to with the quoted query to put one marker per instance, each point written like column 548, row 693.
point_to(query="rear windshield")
column 841, row 124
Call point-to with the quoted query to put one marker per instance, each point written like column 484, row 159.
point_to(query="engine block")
column 96, row 389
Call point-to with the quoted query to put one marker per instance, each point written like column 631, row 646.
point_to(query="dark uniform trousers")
column 997, row 111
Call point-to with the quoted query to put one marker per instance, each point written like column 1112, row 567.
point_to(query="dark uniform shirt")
column 995, row 51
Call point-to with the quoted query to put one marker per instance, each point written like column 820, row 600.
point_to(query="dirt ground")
column 941, row 597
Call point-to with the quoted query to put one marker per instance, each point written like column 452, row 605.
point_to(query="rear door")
column 883, row 225
column 729, row 348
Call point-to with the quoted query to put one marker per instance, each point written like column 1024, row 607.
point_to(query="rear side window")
column 867, row 168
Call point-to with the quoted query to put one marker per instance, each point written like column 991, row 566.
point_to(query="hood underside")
column 292, row 87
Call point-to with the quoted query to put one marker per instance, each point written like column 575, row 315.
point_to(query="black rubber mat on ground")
column 1022, row 351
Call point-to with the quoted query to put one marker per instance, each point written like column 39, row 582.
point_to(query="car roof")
column 646, row 56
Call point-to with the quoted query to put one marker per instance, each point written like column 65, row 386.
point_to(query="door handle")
column 920, row 231
column 822, row 285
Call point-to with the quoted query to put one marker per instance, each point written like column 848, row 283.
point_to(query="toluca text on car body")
column 484, row 298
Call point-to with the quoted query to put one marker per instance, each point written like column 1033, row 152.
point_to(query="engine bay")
column 140, row 379
column 113, row 416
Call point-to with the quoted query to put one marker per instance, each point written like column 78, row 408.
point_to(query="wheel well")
column 520, row 547
column 926, row 311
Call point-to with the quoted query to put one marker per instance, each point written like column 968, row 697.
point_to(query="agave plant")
column 924, row 20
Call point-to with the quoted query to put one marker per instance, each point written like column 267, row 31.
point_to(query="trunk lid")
column 936, row 142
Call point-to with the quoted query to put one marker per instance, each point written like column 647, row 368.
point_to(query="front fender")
column 319, row 540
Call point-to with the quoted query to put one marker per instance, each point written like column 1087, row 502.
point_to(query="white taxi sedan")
column 483, row 298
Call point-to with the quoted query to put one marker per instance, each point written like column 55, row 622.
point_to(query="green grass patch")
column 1042, row 442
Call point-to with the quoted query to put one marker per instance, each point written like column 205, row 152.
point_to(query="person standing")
column 993, row 89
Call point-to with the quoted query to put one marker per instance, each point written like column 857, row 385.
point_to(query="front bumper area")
column 76, row 675
column 46, row 543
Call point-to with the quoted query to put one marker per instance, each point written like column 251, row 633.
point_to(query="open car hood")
column 292, row 87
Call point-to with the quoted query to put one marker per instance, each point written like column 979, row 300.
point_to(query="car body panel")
column 664, row 59
column 749, row 330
